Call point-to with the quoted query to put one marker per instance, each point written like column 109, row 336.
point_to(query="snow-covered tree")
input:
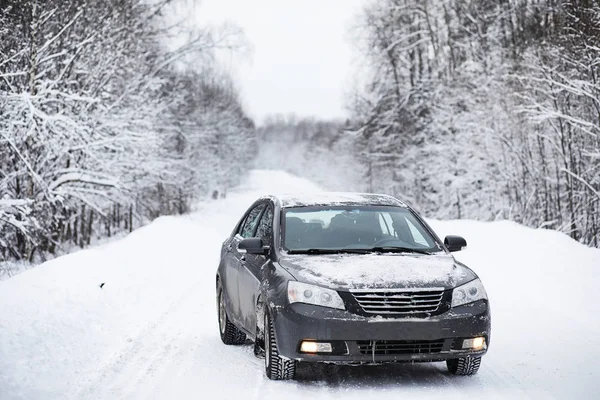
column 91, row 109
column 484, row 109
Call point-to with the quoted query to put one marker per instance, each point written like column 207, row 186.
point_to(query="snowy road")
column 151, row 331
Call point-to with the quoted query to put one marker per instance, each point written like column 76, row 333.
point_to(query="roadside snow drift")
column 151, row 330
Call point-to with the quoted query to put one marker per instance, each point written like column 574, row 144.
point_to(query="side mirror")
column 455, row 243
column 253, row 246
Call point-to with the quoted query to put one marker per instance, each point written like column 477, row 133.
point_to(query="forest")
column 477, row 109
column 468, row 109
column 103, row 127
column 486, row 109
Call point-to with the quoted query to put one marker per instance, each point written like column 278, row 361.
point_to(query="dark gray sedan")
column 348, row 278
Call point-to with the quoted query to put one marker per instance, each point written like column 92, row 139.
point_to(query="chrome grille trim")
column 399, row 301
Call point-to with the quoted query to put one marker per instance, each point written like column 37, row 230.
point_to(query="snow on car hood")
column 360, row 271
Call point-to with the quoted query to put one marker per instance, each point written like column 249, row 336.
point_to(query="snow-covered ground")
column 151, row 331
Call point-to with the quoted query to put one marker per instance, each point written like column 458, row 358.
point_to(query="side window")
column 387, row 224
column 251, row 221
column 265, row 227
column 417, row 231
column 241, row 227
column 417, row 236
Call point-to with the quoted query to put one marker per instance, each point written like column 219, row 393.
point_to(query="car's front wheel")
column 277, row 367
column 230, row 334
column 464, row 365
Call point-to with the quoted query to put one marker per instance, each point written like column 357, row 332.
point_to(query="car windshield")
column 355, row 229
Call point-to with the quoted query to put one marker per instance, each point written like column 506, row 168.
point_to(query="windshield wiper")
column 390, row 249
column 395, row 249
column 329, row 251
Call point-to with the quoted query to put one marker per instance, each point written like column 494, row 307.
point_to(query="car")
column 348, row 278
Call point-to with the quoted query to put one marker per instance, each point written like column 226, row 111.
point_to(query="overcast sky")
column 302, row 58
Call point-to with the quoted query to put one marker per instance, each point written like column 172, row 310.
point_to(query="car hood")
column 361, row 271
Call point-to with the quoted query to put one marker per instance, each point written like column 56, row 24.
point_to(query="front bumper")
column 297, row 322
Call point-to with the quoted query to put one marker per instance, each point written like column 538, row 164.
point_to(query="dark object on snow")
column 348, row 278
column 215, row 195
column 101, row 285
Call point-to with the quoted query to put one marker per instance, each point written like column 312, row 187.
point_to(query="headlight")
column 299, row 292
column 468, row 293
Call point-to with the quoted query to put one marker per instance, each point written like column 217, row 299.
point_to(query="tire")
column 230, row 334
column 464, row 365
column 276, row 367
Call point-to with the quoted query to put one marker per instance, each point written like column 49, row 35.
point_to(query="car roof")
column 335, row 199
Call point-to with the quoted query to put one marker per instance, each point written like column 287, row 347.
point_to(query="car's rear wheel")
column 464, row 365
column 277, row 367
column 230, row 334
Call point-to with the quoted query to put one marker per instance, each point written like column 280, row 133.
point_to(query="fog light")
column 477, row 343
column 315, row 347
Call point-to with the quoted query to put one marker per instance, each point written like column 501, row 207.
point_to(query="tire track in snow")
column 104, row 384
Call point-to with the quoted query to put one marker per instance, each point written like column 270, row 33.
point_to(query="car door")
column 250, row 272
column 229, row 270
column 237, row 259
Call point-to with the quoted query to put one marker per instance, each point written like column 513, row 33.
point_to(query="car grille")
column 399, row 301
column 396, row 347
